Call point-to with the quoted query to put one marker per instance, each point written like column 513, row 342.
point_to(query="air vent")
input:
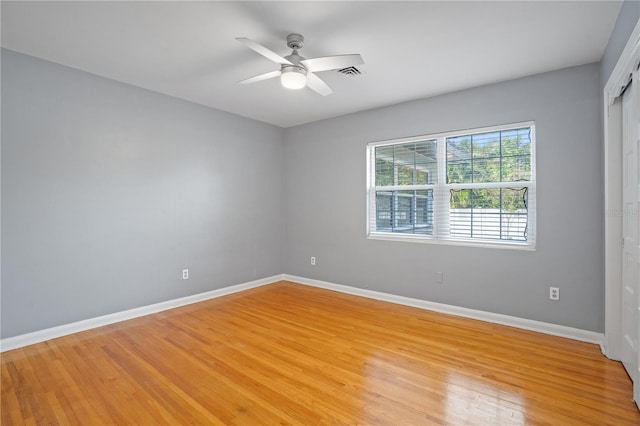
column 350, row 71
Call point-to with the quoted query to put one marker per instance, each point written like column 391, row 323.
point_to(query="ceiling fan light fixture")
column 293, row 77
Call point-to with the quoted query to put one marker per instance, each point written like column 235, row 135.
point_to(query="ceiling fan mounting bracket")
column 295, row 41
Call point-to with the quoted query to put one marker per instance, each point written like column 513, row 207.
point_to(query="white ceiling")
column 411, row 50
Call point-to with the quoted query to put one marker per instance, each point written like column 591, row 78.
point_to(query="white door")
column 630, row 233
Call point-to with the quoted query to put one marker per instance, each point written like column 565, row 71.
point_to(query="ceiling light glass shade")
column 293, row 78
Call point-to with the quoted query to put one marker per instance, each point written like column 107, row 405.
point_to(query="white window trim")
column 441, row 187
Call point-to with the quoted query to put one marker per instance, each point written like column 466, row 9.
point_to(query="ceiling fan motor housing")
column 294, row 68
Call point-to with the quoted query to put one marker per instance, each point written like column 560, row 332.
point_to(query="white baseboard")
column 75, row 327
column 526, row 324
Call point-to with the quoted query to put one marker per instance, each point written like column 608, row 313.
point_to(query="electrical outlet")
column 313, row 260
column 439, row 277
column 554, row 293
column 185, row 274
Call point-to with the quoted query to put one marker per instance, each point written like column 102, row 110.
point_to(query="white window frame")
column 441, row 193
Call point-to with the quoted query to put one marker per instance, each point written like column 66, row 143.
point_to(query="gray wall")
column 325, row 203
column 109, row 190
column 625, row 23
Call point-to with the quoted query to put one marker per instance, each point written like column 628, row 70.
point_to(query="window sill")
column 452, row 242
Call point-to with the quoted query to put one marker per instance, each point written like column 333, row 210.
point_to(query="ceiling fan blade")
column 317, row 85
column 332, row 62
column 265, row 76
column 263, row 51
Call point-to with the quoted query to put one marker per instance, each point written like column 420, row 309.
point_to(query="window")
column 475, row 186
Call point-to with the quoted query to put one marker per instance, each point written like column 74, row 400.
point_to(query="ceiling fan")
column 297, row 72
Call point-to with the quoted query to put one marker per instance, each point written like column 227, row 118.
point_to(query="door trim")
column 626, row 64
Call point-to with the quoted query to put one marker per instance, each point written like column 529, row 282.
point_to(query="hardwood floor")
column 291, row 354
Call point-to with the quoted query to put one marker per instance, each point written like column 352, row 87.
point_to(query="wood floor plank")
column 292, row 354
